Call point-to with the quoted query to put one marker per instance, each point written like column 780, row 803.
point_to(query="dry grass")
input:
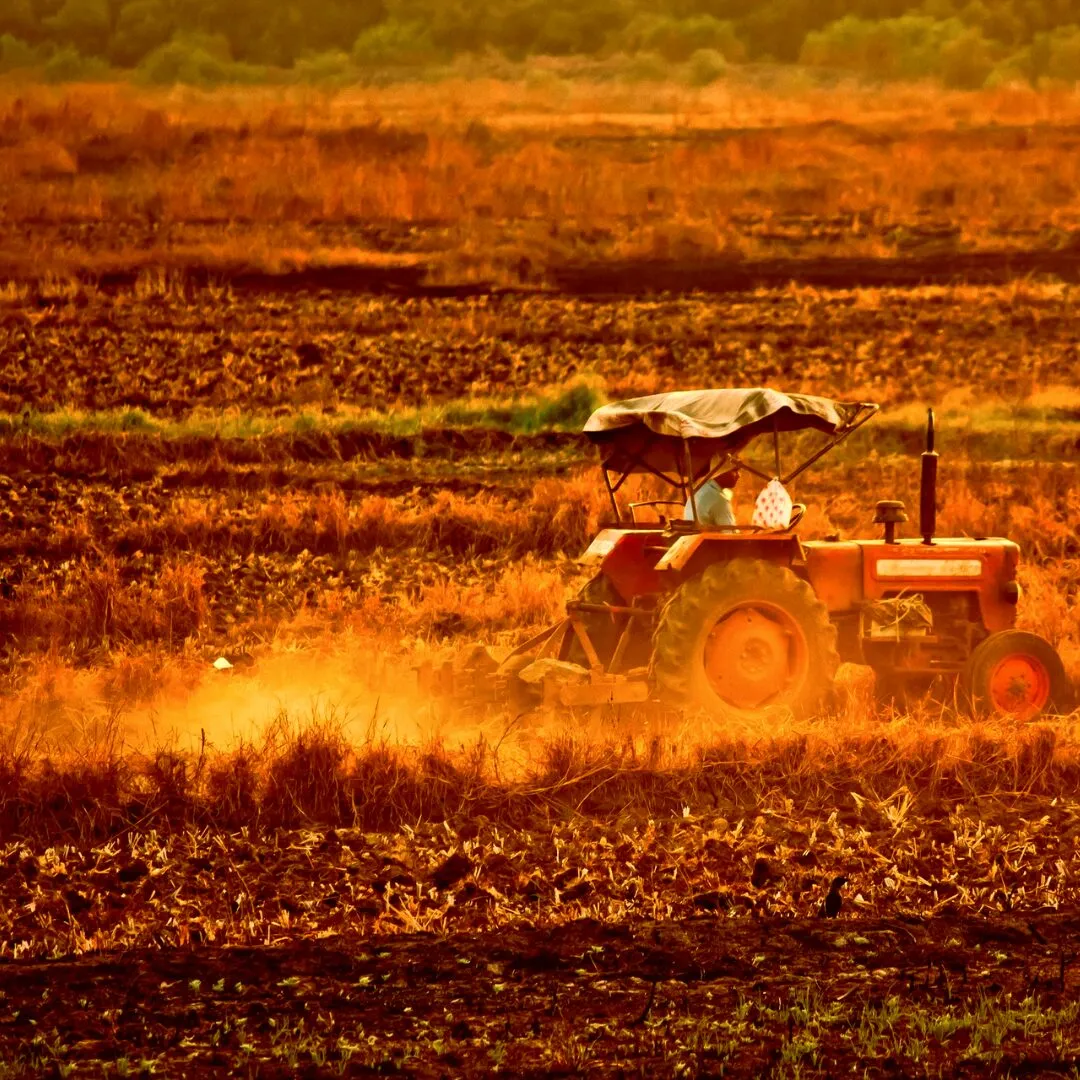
column 452, row 564
column 495, row 172
column 92, row 787
column 99, row 609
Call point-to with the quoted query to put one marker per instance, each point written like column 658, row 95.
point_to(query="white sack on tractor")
column 773, row 507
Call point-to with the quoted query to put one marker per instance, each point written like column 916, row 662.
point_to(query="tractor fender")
column 603, row 544
column 701, row 549
column 625, row 557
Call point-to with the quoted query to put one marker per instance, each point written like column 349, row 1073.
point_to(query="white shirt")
column 713, row 505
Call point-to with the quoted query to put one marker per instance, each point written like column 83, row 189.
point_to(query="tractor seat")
column 797, row 512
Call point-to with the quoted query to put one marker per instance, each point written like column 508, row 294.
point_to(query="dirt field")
column 329, row 468
column 687, row 945
column 249, row 853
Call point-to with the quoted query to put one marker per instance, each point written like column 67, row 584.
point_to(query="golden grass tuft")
column 99, row 609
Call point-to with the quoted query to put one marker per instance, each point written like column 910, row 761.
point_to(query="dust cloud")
column 365, row 696
column 364, row 691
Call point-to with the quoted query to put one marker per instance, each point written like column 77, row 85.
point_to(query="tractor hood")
column 651, row 434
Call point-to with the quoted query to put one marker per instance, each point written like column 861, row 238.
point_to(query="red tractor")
column 748, row 619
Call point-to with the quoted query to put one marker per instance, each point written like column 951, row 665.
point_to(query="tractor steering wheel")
column 797, row 512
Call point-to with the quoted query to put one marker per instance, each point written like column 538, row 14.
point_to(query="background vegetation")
column 965, row 43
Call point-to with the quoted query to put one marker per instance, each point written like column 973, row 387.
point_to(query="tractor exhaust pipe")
column 928, row 489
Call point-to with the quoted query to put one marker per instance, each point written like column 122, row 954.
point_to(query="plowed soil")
column 697, row 996
column 687, row 945
column 172, row 354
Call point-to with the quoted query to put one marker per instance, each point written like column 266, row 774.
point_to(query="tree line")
column 966, row 43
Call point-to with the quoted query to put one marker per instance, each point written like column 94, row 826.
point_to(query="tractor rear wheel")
column 1016, row 673
column 746, row 638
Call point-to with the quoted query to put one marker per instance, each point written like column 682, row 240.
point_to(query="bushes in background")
column 964, row 43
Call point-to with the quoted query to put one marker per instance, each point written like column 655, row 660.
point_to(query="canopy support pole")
column 645, row 467
column 776, row 446
column 611, row 495
column 870, row 410
column 689, row 485
column 752, row 469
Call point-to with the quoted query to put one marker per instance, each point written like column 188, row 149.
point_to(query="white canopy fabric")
column 650, row 434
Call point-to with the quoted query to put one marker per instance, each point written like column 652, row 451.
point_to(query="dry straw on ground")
column 497, row 180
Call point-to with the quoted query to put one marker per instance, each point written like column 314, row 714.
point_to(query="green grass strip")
column 562, row 410
column 1037, row 429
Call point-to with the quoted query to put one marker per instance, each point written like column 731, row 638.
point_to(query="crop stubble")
column 686, row 943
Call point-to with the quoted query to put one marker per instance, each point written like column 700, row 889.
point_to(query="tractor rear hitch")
column 608, row 609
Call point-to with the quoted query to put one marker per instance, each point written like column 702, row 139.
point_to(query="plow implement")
column 535, row 676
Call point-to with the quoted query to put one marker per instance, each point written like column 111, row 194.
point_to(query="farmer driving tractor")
column 713, row 499
column 712, row 503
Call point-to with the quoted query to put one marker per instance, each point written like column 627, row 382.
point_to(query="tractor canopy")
column 678, row 436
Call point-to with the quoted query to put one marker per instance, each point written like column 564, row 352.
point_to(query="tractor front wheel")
column 1016, row 673
column 746, row 638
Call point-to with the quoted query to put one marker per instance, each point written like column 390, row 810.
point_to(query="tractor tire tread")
column 1062, row 693
column 682, row 617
